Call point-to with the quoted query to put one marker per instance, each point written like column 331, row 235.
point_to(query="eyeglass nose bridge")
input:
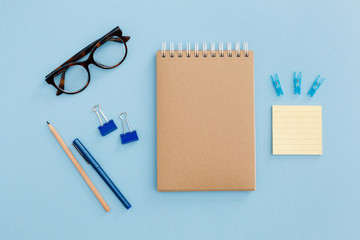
column 98, row 115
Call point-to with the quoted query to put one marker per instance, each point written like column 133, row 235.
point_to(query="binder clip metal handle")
column 98, row 115
column 127, row 122
column 130, row 136
column 104, row 128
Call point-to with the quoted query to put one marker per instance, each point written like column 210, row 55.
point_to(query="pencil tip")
column 47, row 122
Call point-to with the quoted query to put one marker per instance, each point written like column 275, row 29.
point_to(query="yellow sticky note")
column 297, row 130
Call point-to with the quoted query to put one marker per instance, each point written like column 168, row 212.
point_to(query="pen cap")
column 84, row 152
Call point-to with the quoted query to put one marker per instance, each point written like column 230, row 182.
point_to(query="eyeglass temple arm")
column 88, row 49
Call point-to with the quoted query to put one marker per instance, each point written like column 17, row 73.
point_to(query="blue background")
column 298, row 197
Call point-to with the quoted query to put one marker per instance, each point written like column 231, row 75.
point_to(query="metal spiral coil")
column 196, row 53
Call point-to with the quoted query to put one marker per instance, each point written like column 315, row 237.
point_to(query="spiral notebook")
column 205, row 119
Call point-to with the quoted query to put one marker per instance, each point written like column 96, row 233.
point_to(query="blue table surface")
column 297, row 197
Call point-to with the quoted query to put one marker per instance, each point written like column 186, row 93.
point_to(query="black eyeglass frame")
column 90, row 49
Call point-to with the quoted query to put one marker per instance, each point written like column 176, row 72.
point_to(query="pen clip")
column 80, row 153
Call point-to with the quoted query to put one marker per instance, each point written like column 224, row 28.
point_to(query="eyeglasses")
column 107, row 52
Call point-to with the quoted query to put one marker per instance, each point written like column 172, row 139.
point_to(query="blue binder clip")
column 316, row 85
column 107, row 127
column 297, row 83
column 127, row 137
column 277, row 85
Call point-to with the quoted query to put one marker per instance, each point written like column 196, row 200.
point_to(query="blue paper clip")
column 127, row 137
column 107, row 127
column 277, row 85
column 297, row 83
column 315, row 86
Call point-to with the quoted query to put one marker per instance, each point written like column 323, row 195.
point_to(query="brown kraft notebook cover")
column 205, row 122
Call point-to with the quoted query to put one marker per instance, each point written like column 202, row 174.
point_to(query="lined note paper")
column 297, row 130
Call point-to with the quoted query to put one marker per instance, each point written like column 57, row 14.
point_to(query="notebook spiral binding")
column 204, row 49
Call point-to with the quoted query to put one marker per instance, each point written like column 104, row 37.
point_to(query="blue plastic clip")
column 107, row 127
column 297, row 83
column 127, row 137
column 277, row 85
column 315, row 86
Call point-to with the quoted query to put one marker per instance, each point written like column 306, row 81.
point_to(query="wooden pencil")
column 78, row 167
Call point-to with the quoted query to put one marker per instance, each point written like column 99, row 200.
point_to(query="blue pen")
column 91, row 160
